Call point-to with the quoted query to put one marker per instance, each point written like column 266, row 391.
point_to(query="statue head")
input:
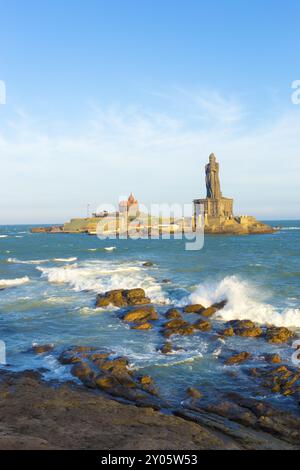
column 212, row 158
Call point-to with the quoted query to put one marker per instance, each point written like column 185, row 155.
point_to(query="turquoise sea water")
column 49, row 284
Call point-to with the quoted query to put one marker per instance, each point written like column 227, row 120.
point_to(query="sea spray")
column 244, row 301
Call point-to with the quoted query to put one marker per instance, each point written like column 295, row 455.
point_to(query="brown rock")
column 141, row 314
column 98, row 355
column 117, row 365
column 167, row 348
column 106, row 382
column 278, row 335
column 238, row 358
column 195, row 308
column 82, row 371
column 202, row 325
column 146, row 380
column 173, row 313
column 250, row 332
column 208, row 312
column 122, row 298
column 273, row 358
column 42, row 348
column 220, row 305
column 184, row 331
column 135, row 297
column 142, row 326
column 176, row 323
column 194, row 393
column 228, row 331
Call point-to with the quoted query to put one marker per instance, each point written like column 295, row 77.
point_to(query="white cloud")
column 158, row 155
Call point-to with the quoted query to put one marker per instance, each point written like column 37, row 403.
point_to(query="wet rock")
column 98, row 355
column 273, row 358
column 228, row 331
column 167, row 348
column 183, row 331
column 166, row 281
column 42, row 348
column 220, row 305
column 141, row 314
column 173, row 313
column 195, row 308
column 142, row 326
column 148, row 264
column 249, row 332
column 122, row 298
column 278, row 334
column 116, row 365
column 82, row 371
column 175, row 323
column 146, row 380
column 244, row 328
column 208, row 312
column 106, row 382
column 194, row 393
column 241, row 324
column 76, row 354
column 238, row 358
column 202, row 325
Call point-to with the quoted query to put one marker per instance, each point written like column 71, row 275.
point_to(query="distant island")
column 214, row 214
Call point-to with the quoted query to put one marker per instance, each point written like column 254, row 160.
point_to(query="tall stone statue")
column 213, row 187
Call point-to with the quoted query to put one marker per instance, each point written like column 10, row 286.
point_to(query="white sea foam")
column 110, row 248
column 244, row 302
column 65, row 260
column 3, row 236
column 101, row 276
column 289, row 228
column 4, row 283
column 30, row 261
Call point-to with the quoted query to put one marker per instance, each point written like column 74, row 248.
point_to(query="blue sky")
column 108, row 97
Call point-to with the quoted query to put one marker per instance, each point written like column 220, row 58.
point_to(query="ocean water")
column 48, row 286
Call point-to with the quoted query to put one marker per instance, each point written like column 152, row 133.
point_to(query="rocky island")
column 214, row 214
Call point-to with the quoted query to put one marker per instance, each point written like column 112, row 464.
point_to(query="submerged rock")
column 122, row 298
column 194, row 393
column 167, row 348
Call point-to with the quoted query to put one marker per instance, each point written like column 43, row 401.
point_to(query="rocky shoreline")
column 39, row 415
column 110, row 405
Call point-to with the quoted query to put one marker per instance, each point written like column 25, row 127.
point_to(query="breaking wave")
column 102, row 276
column 4, row 283
column 32, row 261
column 3, row 236
column 244, row 302
column 67, row 260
